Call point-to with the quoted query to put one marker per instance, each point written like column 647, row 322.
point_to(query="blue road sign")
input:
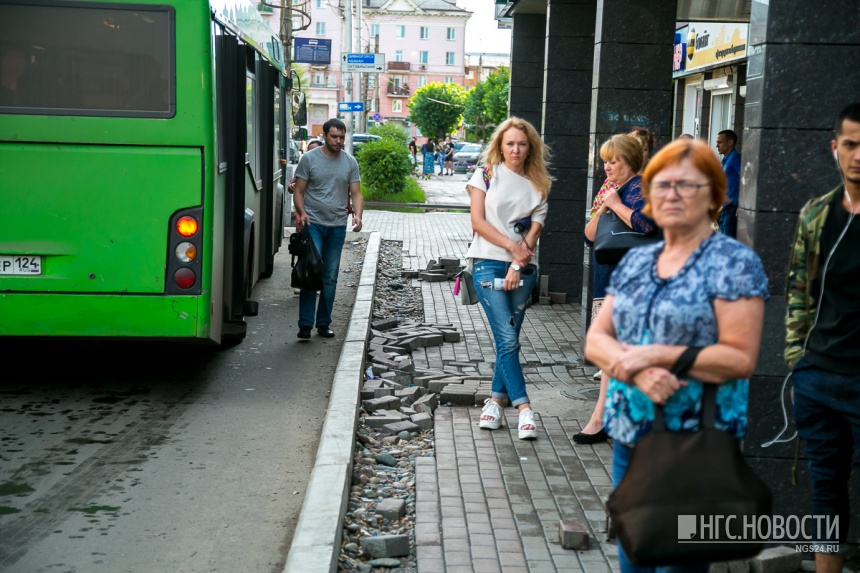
column 348, row 106
column 360, row 58
column 376, row 117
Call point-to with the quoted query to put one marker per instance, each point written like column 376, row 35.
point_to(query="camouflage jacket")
column 802, row 271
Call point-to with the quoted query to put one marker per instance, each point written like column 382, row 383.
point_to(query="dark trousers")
column 728, row 220
column 827, row 414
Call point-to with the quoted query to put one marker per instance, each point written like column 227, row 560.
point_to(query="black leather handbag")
column 614, row 238
column 677, row 479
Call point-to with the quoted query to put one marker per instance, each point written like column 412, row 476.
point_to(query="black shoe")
column 304, row 333
column 583, row 438
column 324, row 331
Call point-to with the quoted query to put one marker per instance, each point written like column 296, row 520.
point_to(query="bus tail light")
column 186, row 252
column 184, row 278
column 187, row 226
column 184, row 264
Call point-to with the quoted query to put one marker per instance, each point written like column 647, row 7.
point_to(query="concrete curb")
column 316, row 541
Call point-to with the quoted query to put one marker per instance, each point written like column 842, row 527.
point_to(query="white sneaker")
column 526, row 426
column 597, row 375
column 491, row 415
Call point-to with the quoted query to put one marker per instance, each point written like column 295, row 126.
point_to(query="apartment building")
column 423, row 41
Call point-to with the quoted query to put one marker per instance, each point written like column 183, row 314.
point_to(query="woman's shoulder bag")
column 677, row 479
column 614, row 238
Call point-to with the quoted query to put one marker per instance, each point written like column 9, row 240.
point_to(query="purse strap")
column 709, row 392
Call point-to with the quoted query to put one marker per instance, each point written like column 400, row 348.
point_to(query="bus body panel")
column 87, row 242
column 144, row 316
column 128, row 310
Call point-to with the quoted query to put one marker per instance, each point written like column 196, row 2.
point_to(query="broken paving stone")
column 386, row 402
column 422, row 420
column 403, row 426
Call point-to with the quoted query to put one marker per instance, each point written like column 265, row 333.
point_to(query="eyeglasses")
column 685, row 189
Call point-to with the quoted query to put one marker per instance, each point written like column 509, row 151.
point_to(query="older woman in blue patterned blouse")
column 695, row 288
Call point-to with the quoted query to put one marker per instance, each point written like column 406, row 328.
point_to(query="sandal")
column 491, row 415
column 526, row 426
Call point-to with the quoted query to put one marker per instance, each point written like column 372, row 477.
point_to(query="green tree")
column 476, row 116
column 390, row 131
column 496, row 95
column 437, row 108
column 487, row 104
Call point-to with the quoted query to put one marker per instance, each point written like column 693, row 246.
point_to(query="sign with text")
column 350, row 106
column 314, row 51
column 368, row 63
column 705, row 45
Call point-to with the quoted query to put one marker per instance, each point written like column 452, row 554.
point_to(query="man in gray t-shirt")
column 326, row 179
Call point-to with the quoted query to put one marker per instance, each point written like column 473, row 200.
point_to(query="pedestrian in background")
column 310, row 146
column 697, row 290
column 440, row 156
column 449, row 156
column 325, row 180
column 726, row 142
column 508, row 207
column 622, row 160
column 428, row 151
column 822, row 333
column 413, row 149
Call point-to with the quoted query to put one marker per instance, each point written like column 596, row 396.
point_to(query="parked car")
column 466, row 157
column 360, row 138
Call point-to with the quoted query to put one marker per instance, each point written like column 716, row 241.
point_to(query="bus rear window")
column 85, row 58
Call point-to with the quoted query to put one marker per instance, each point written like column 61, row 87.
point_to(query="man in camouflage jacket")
column 822, row 343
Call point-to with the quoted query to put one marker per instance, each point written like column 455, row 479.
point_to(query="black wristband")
column 685, row 361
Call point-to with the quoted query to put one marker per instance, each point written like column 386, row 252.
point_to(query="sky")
column 482, row 33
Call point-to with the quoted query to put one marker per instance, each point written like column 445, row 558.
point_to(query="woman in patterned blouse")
column 695, row 288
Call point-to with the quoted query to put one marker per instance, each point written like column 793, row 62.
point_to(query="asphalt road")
column 146, row 457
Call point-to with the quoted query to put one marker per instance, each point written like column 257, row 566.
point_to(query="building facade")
column 479, row 66
column 778, row 73
column 423, row 41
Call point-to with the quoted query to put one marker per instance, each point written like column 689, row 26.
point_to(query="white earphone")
column 835, row 156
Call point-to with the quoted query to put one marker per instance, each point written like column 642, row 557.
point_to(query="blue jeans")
column 329, row 244
column 441, row 163
column 728, row 220
column 505, row 311
column 827, row 414
column 620, row 460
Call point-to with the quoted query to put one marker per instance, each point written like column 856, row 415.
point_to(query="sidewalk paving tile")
column 494, row 501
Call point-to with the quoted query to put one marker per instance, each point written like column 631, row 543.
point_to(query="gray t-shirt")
column 327, row 192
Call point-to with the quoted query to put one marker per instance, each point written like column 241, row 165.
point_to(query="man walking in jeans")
column 326, row 178
column 822, row 334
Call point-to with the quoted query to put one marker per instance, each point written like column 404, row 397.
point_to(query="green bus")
column 141, row 167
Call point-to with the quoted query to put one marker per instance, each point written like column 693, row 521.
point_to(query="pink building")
column 423, row 41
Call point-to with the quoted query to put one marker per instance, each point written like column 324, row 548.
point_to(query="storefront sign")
column 679, row 55
column 708, row 45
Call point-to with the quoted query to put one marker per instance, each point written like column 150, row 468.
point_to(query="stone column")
column 632, row 79
column 527, row 53
column 566, row 98
column 803, row 70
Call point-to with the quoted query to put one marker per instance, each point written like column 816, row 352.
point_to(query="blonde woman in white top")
column 509, row 207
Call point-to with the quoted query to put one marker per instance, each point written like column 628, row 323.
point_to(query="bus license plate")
column 20, row 265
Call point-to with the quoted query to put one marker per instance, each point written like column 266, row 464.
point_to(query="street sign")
column 350, row 106
column 313, row 51
column 377, row 117
column 367, row 63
